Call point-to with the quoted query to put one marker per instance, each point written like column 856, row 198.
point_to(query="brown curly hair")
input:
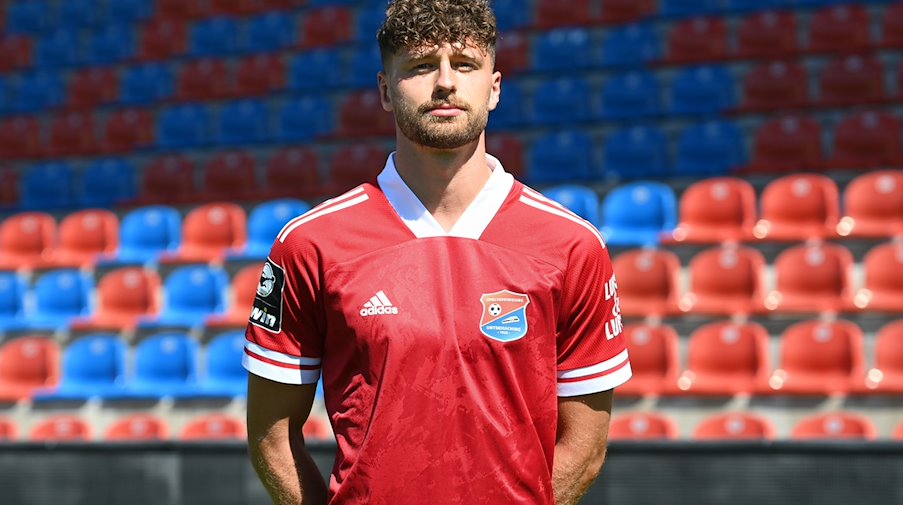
column 413, row 24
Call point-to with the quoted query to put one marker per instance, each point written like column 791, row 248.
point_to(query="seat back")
column 788, row 143
column 230, row 175
column 8, row 429
column 726, row 349
column 147, row 232
column 244, row 122
column 292, row 172
column 317, row 69
column 12, row 295
column 511, row 150
column 562, row 100
column 107, row 183
column 327, row 26
column 260, row 73
column 717, row 209
column 30, row 362
column 61, row 428
column 195, row 289
column 799, row 207
column 867, row 140
column 698, row 39
column 48, row 186
column 814, row 272
column 214, row 427
column 128, row 292
column 268, row 218
column 704, row 89
column 63, row 293
column 714, row 147
column 654, row 351
column 815, row 347
column 354, row 165
column 642, row 426
column 87, row 233
column 361, row 115
column 554, row 13
column 563, row 156
column 306, row 118
column 636, row 152
column 776, row 85
column 852, row 80
column 883, row 266
column 581, row 200
column 836, row 425
column 209, row 230
column 840, row 27
column 873, row 204
column 97, row 358
column 270, row 31
column 735, row 426
column 632, row 94
column 138, row 427
column 638, row 214
column 214, row 36
column 647, row 281
column 203, row 79
column 168, row 179
column 728, row 280
column 243, row 289
column 147, row 84
column 223, row 357
column 561, row 48
column 28, row 237
column 166, row 358
column 183, row 126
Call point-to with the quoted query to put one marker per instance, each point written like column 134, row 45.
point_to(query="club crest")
column 504, row 315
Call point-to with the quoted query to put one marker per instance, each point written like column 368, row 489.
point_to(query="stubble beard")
column 436, row 132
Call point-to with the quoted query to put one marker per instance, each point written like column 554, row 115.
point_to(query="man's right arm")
column 276, row 413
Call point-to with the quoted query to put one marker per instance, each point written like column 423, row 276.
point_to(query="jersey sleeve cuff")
column 280, row 367
column 601, row 377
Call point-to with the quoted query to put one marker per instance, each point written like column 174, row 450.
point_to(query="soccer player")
column 467, row 329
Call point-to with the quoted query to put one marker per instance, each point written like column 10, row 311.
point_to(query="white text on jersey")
column 379, row 305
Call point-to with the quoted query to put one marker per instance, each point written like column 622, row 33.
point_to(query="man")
column 466, row 327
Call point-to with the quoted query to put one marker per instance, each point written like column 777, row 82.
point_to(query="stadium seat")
column 648, row 282
column 9, row 190
column 16, row 52
column 260, row 74
column 58, row 49
column 7, row 95
column 12, row 301
column 834, row 426
column 638, row 214
column 511, row 150
column 560, row 157
column 224, row 376
column 27, row 240
column 27, row 364
column 84, row 236
column 209, row 231
column 654, row 359
column 813, row 278
column 94, row 366
column 305, row 118
column 140, row 427
column 735, row 426
column 630, row 45
column 788, row 143
column 820, row 358
column 798, row 207
column 48, row 186
column 767, row 34
column 204, row 79
column 512, row 53
column 642, row 426
column 702, row 90
column 873, row 205
column 29, row 17
column 80, row 14
column 214, row 36
column 563, row 49
column 130, row 11
column 886, row 376
column 39, row 90
column 563, row 100
column 163, row 39
column 867, row 140
column 61, row 428
column 727, row 281
column 106, row 183
column 71, row 134
column 165, row 366
column 355, row 164
column 840, row 28
column 883, row 287
column 20, row 137
column 168, row 179
column 852, row 80
column 9, row 430
column 127, row 131
column 93, row 87
column 716, row 209
column 725, row 358
column 123, row 296
column 191, row 293
column 774, row 86
column 184, row 126
column 111, row 45
column 699, row 39
column 214, row 427
column 181, row 9
column 684, row 8
column 264, row 223
column 511, row 15
column 292, row 172
column 148, row 232
column 315, row 70
column 242, row 290
column 146, row 84
column 366, row 63
column 579, row 199
column 626, row 11
column 510, row 113
column 244, row 122
column 361, row 115
column 317, row 428
column 712, row 148
column 892, row 26
column 631, row 95
column 234, row 7
column 61, row 295
column 567, row 13
column 229, row 175
column 326, row 27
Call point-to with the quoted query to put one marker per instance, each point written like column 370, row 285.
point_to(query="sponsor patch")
column 504, row 315
column 267, row 310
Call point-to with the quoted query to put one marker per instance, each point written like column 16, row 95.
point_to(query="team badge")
column 504, row 315
column 267, row 310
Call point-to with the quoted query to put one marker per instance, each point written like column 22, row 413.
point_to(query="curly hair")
column 413, row 24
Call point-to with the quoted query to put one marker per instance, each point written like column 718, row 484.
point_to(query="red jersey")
column 442, row 354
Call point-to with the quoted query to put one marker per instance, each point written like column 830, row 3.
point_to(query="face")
column 441, row 96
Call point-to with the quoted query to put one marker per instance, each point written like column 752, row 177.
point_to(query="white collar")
column 472, row 222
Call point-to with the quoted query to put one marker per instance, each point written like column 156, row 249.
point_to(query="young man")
column 466, row 327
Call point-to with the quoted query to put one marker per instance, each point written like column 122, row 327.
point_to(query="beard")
column 418, row 125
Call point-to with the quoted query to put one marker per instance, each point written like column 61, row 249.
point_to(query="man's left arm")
column 580, row 444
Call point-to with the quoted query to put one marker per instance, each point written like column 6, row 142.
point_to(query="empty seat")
column 149, row 232
column 712, row 148
column 642, row 426
column 235, row 7
column 16, row 52
column 630, row 45
column 184, row 126
column 511, row 112
column 638, row 214
column 305, row 118
column 209, row 231
column 512, row 54
column 270, row 31
column 224, row 376
column 20, row 138
column 702, row 90
column 510, row 15
column 564, row 100
column 60, row 296
column 230, row 175
column 58, row 49
column 165, row 366
column 9, row 190
column 654, row 359
column 162, row 39
column 727, row 280
column 244, row 122
column 682, row 8
column 71, row 134
column 292, row 172
column 354, row 165
column 127, row 130
column 12, row 300
column 625, row 11
column 892, row 26
column 129, row 11
column 813, row 278
column 264, row 223
column 168, row 179
column 181, row 9
column 820, row 358
column 775, row 85
column 139, row 427
column 883, row 287
column 214, row 427
column 886, row 376
column 39, row 90
column 80, row 14
column 61, row 428
column 204, row 79
column 852, row 80
column 361, row 115
column 840, row 28
column 327, row 26
column 92, row 87
column 9, row 430
column 190, row 295
column 511, row 149
column 86, row 235
column 717, row 209
column 27, row 240
column 215, row 36
column 563, row 48
column 735, row 426
column 93, row 367
column 112, row 44
column 123, row 296
column 798, row 207
column 147, row 84
column 873, row 205
column 725, row 358
column 834, row 426
column 581, row 200
column 648, row 282
column 562, row 156
column 260, row 74
column 242, row 290
column 106, row 183
column 789, row 143
column 633, row 94
column 365, row 64
column 867, row 140
column 556, row 13
column 315, row 70
column 697, row 39
column 26, row 365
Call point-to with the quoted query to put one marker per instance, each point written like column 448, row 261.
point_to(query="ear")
column 495, row 91
column 384, row 94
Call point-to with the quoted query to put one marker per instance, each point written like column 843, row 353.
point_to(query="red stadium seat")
column 361, row 115
column 873, row 205
column 16, row 52
column 868, row 140
column 726, row 281
column 72, row 134
column 697, row 39
column 260, row 74
column 836, row 425
column 20, row 138
column 510, row 151
column 128, row 130
column 316, row 428
column 887, row 374
column 292, row 172
column 512, row 54
column 715, row 210
column 27, row 240
column 559, row 13
column 852, row 80
column 8, row 430
column 788, row 143
column 648, row 282
column 892, row 27
column 61, row 428
column 840, row 28
column 209, row 232
column 356, row 164
column 767, row 34
column 725, row 359
column 654, row 359
column 9, row 189
column 798, row 207
column 813, row 278
column 626, row 11
column 820, row 358
column 181, row 9
column 642, row 426
column 230, row 175
column 138, row 427
column 27, row 364
column 163, row 39
column 124, row 295
column 776, row 85
column 282, row 4
column 883, row 290
column 169, row 179
column 92, row 87
column 243, row 289
column 214, row 427
column 204, row 79
column 84, row 235
column 327, row 26
column 735, row 426
column 235, row 7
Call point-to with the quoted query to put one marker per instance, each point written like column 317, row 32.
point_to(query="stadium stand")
column 873, row 205
column 242, row 291
column 798, row 207
column 61, row 428
column 124, row 295
column 813, row 278
column 213, row 427
column 27, row 364
column 165, row 366
column 638, row 214
column 93, row 366
column 27, row 240
column 147, row 233
column 60, row 295
column 716, row 209
column 209, row 232
column 84, row 236
column 137, row 427
column 819, row 358
column 724, row 359
column 648, row 282
column 12, row 300
column 654, row 359
column 735, row 426
column 835, row 425
column 642, row 426
column 726, row 281
column 887, row 374
column 883, row 287
column 191, row 293
column 8, row 430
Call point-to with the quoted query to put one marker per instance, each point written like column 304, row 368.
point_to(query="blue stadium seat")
column 634, row 94
column 7, row 96
column 636, row 152
column 186, row 125
column 513, row 14
column 638, row 214
column 61, row 48
column 687, row 8
column 365, row 64
column 271, row 31
column 60, row 296
column 264, row 224
column 29, row 17
column 216, row 36
column 316, row 70
column 562, row 100
column 191, row 294
column 47, row 186
column 304, row 118
column 631, row 45
column 754, row 5
column 165, row 366
column 12, row 301
column 129, row 11
column 581, row 200
column 370, row 18
column 81, row 14
column 112, row 44
column 224, row 376
column 145, row 84
column 702, row 90
column 711, row 148
column 147, row 232
column 244, row 122
column 106, row 183
column 93, row 366
column 509, row 113
column 563, row 49
column 39, row 90
column 563, row 156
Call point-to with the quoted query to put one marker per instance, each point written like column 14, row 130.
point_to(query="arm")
column 580, row 446
column 276, row 413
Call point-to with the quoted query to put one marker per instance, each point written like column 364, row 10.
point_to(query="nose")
column 445, row 79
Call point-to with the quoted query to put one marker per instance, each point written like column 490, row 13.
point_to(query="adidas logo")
column 378, row 305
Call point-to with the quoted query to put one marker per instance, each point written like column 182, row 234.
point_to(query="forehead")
column 467, row 49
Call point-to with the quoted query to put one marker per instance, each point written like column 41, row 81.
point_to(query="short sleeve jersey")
column 442, row 354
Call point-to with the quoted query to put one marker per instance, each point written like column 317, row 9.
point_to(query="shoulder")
column 553, row 222
column 323, row 221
